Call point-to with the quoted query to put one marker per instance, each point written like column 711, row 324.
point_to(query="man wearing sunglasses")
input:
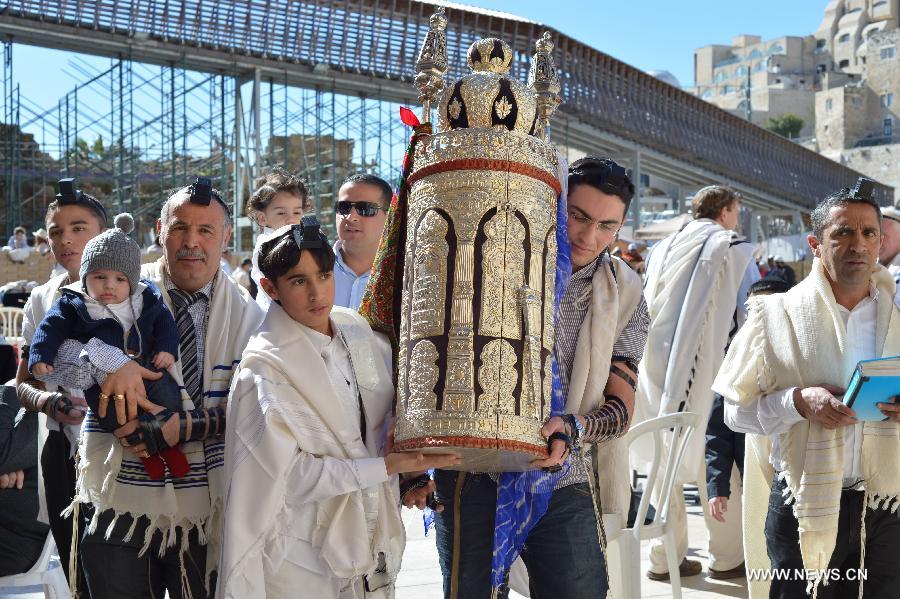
column 362, row 205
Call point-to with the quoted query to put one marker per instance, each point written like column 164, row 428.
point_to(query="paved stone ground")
column 420, row 577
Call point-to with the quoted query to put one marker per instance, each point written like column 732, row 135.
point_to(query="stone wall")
column 37, row 267
column 842, row 117
column 883, row 77
column 881, row 163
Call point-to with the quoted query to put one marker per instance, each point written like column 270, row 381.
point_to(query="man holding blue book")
column 830, row 510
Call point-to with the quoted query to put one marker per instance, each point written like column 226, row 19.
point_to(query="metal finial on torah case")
column 480, row 265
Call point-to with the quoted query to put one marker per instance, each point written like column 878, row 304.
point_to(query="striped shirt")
column 573, row 307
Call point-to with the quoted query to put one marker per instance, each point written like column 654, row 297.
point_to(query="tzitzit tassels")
column 73, row 553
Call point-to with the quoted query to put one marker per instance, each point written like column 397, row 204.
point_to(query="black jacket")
column 23, row 536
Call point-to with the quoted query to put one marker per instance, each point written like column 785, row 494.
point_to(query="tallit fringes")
column 112, row 525
column 148, row 536
column 700, row 356
column 862, row 540
column 131, row 528
column 765, row 380
column 883, row 502
column 789, row 495
column 73, row 554
column 94, row 523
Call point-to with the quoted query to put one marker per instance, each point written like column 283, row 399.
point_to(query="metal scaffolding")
column 226, row 88
column 133, row 132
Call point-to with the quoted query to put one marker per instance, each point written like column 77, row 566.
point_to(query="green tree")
column 787, row 125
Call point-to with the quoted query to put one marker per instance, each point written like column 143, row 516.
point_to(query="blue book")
column 873, row 382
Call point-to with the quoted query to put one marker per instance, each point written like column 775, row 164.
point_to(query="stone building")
column 857, row 121
column 842, row 40
column 780, row 74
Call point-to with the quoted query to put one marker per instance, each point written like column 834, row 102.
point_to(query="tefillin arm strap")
column 35, row 399
column 197, row 425
column 609, row 421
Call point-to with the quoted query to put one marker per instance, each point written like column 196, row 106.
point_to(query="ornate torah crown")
column 487, row 97
column 478, row 287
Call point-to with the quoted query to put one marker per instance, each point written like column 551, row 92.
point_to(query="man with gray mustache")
column 146, row 537
column 190, row 254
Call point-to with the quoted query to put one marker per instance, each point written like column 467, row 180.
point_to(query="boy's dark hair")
column 821, row 215
column 246, row 262
column 773, row 285
column 369, row 179
column 273, row 182
column 280, row 254
column 603, row 174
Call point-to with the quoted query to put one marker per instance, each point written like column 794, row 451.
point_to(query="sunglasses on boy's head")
column 362, row 208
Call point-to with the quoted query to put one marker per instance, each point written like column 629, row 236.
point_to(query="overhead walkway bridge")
column 362, row 53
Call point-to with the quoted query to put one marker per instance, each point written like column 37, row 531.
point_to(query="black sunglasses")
column 69, row 196
column 362, row 208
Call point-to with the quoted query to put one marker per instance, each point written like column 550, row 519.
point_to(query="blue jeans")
column 562, row 553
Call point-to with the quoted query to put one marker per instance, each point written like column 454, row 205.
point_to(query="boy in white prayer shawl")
column 833, row 502
column 311, row 509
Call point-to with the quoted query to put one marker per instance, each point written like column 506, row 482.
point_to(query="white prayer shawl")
column 797, row 339
column 692, row 282
column 618, row 296
column 262, row 298
column 894, row 269
column 282, row 379
column 757, row 483
column 112, row 478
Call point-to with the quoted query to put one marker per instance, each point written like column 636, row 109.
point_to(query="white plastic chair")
column 41, row 574
column 627, row 541
column 11, row 325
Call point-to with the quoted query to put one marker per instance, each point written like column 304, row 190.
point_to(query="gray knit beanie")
column 114, row 250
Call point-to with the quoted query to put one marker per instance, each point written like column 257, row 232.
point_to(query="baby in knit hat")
column 112, row 309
